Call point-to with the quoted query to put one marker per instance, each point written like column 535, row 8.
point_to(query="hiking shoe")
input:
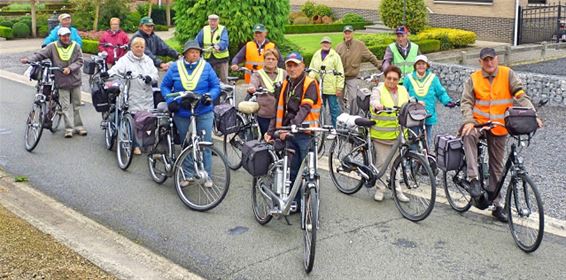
column 499, row 214
column 187, row 182
column 81, row 131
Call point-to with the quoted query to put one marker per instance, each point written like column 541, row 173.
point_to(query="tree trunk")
column 96, row 15
column 149, row 8
column 168, row 12
column 33, row 19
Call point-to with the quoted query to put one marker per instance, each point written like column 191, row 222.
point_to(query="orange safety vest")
column 254, row 56
column 313, row 116
column 492, row 99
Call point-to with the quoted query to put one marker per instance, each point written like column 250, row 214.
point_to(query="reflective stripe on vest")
column 65, row 54
column 492, row 99
column 387, row 125
column 190, row 81
column 254, row 57
column 421, row 88
column 209, row 40
column 405, row 64
column 313, row 116
column 268, row 82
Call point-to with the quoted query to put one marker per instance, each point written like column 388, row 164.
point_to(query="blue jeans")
column 333, row 106
column 429, row 142
column 299, row 143
column 204, row 122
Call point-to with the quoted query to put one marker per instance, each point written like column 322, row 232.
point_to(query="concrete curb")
column 108, row 250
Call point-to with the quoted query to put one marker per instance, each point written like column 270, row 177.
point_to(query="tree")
column 391, row 13
column 33, row 18
column 96, row 4
column 191, row 16
column 168, row 12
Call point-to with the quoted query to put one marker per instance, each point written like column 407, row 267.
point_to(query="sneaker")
column 68, row 133
column 80, row 131
column 499, row 214
column 400, row 195
column 208, row 183
column 137, row 151
column 185, row 183
column 475, row 188
column 378, row 194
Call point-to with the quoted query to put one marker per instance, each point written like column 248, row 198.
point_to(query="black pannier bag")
column 449, row 152
column 256, row 158
column 89, row 67
column 100, row 99
column 226, row 118
column 412, row 114
column 520, row 120
column 36, row 72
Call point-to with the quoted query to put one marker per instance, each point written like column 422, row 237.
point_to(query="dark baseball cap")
column 294, row 57
column 259, row 28
column 146, row 21
column 348, row 28
column 487, row 52
column 401, row 30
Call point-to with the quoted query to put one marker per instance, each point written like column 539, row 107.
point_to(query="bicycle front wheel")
column 125, row 143
column 201, row 186
column 261, row 202
column 525, row 213
column 415, row 186
column 344, row 174
column 455, row 188
column 310, row 223
column 34, row 126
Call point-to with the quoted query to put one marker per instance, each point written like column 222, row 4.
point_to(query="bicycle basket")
column 520, row 120
column 36, row 73
column 412, row 114
column 226, row 118
column 89, row 67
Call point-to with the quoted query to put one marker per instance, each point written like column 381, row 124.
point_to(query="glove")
column 173, row 107
column 147, row 79
column 206, row 99
column 185, row 103
column 451, row 104
column 104, row 75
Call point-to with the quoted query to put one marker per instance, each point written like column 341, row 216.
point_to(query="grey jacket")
column 141, row 95
column 62, row 81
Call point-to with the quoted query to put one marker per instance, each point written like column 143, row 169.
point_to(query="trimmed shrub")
column 131, row 22
column 319, row 28
column 6, row 24
column 43, row 31
column 294, row 15
column 159, row 27
column 302, row 20
column 323, row 10
column 428, row 46
column 391, row 12
column 21, row 30
column 90, row 46
column 6, row 32
column 352, row 18
column 309, row 9
column 449, row 37
column 376, row 39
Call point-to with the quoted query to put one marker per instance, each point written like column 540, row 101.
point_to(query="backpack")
column 226, row 118
column 412, row 114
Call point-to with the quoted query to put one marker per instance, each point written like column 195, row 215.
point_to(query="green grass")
column 310, row 43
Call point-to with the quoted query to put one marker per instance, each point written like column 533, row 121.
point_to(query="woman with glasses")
column 385, row 131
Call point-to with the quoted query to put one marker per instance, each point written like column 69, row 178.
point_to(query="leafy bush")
column 309, row 9
column 83, row 15
column 323, row 10
column 90, row 46
column 6, row 24
column 159, row 27
column 294, row 15
column 21, row 30
column 6, row 32
column 302, row 20
column 391, row 12
column 319, row 28
column 352, row 18
column 449, row 37
column 26, row 22
column 428, row 46
column 376, row 39
column 378, row 50
column 132, row 21
column 42, row 31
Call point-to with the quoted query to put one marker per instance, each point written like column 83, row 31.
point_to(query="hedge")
column 320, row 28
column 6, row 24
column 159, row 27
column 455, row 38
column 90, row 46
column 21, row 30
column 6, row 32
column 428, row 46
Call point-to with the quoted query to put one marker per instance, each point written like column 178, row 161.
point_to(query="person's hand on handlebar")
column 378, row 107
column 147, row 79
column 451, row 104
column 234, row 67
column 206, row 99
column 251, row 90
column 467, row 129
column 24, row 60
column 66, row 71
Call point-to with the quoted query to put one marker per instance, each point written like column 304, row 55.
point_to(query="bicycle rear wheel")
column 525, row 213
column 261, row 204
column 310, row 217
column 455, row 188
column 415, row 181
column 345, row 176
column 34, row 126
column 56, row 115
column 158, row 160
column 204, row 188
column 125, row 145
column 232, row 145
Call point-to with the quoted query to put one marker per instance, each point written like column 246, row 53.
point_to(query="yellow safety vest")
column 190, row 81
column 387, row 124
column 268, row 82
column 65, row 54
column 405, row 64
column 209, row 40
column 421, row 88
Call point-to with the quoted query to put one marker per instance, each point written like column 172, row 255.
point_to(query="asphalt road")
column 358, row 239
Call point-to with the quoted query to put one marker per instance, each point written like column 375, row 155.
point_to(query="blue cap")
column 294, row 57
column 401, row 30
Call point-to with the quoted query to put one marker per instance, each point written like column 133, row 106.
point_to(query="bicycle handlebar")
column 109, row 45
column 323, row 72
column 372, row 77
column 488, row 125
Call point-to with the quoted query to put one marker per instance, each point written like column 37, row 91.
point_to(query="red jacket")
column 118, row 38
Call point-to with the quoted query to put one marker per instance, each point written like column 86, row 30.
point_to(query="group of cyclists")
column 294, row 95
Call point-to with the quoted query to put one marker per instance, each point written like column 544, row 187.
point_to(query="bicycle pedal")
column 293, row 207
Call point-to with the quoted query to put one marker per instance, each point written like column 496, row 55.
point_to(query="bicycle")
column 46, row 111
column 362, row 96
column 520, row 202
column 114, row 49
column 273, row 195
column 190, row 168
column 351, row 167
column 161, row 157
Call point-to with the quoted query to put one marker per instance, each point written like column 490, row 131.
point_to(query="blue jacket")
column 53, row 37
column 208, row 83
column 435, row 92
column 223, row 43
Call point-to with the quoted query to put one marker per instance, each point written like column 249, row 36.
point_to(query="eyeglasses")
column 392, row 78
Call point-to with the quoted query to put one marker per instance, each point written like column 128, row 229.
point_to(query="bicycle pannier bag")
column 520, row 120
column 412, row 114
column 146, row 126
column 226, row 118
column 449, row 152
column 36, row 73
column 256, row 158
column 99, row 98
column 362, row 99
column 89, row 67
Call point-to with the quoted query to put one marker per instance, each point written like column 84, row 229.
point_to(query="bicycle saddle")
column 162, row 107
column 232, row 79
column 248, row 107
column 225, row 87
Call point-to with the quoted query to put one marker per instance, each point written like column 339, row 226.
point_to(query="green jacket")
column 332, row 61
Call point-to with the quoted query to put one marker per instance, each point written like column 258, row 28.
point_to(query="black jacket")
column 154, row 46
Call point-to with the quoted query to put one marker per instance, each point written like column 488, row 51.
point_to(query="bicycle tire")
column 232, row 145
column 125, row 143
column 57, row 111
column 322, row 136
column 261, row 211
column 418, row 191
column 310, row 227
column 191, row 195
column 515, row 211
column 34, row 125
column 347, row 182
column 456, row 193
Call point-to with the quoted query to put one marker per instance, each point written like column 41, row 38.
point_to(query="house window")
column 537, row 2
column 480, row 2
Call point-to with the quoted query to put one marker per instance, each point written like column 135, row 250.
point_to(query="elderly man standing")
column 154, row 46
column 64, row 21
column 213, row 38
column 67, row 55
column 252, row 52
column 353, row 52
column 402, row 53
